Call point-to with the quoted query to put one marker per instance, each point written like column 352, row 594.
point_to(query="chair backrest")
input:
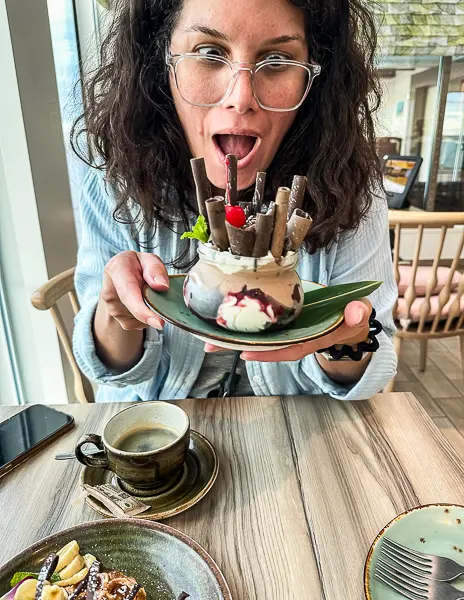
column 46, row 298
column 429, row 304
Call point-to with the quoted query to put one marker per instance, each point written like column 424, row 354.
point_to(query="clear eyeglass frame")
column 173, row 60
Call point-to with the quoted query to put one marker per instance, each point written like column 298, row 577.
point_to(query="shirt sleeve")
column 364, row 255
column 101, row 239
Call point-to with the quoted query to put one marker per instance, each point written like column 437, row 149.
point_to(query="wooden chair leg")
column 389, row 387
column 461, row 342
column 423, row 354
column 397, row 345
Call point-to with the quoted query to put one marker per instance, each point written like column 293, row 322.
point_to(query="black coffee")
column 145, row 439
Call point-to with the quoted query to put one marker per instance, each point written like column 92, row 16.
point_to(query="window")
column 67, row 67
column 406, row 124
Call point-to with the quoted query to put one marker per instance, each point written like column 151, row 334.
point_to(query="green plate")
column 165, row 561
column 434, row 529
column 171, row 307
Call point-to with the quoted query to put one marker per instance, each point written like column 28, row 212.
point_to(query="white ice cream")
column 245, row 315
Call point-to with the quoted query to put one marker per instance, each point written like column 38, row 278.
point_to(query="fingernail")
column 161, row 280
column 153, row 322
column 360, row 317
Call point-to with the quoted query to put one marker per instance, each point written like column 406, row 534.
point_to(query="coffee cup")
column 145, row 445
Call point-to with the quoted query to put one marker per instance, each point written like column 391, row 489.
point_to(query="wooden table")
column 305, row 485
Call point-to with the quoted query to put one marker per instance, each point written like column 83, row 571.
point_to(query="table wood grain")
column 305, row 484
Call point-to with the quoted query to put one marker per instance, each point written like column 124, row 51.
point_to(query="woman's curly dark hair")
column 131, row 123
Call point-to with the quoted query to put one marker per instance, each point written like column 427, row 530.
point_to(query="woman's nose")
column 241, row 96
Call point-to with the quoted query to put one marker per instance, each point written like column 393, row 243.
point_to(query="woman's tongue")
column 240, row 145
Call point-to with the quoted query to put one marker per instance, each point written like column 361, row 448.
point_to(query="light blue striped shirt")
column 172, row 359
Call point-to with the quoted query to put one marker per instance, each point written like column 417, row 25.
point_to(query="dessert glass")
column 244, row 294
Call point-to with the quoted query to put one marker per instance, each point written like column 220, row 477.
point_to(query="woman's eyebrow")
column 284, row 39
column 214, row 33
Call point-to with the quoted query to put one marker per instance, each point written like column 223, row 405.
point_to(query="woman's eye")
column 210, row 51
column 275, row 56
column 272, row 63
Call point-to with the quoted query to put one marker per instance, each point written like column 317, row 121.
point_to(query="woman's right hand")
column 121, row 296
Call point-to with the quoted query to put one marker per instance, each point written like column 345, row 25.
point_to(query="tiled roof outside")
column 422, row 27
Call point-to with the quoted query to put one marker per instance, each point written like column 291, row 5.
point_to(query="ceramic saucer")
column 195, row 479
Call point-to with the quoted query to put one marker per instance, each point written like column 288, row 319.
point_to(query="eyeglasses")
column 279, row 85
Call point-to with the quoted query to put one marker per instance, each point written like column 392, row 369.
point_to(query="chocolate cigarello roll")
column 280, row 224
column 264, row 225
column 297, row 193
column 231, row 191
column 242, row 241
column 216, row 210
column 201, row 183
column 287, row 245
column 247, row 208
column 271, row 208
column 258, row 196
column 298, row 228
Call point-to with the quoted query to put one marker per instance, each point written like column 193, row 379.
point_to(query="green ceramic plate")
column 434, row 529
column 171, row 307
column 165, row 561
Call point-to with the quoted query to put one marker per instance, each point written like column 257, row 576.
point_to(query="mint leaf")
column 199, row 231
column 18, row 577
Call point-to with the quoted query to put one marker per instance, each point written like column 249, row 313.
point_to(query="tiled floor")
column 440, row 388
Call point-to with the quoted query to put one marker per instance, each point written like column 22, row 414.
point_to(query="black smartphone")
column 29, row 431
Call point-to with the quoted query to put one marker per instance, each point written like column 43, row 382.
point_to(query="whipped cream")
column 229, row 263
column 246, row 315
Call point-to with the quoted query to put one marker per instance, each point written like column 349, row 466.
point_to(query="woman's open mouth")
column 244, row 146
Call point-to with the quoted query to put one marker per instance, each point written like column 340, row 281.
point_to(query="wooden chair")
column 431, row 296
column 46, row 298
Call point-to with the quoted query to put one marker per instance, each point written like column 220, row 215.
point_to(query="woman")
column 154, row 103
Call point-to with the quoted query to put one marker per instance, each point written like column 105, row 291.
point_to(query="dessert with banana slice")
column 71, row 575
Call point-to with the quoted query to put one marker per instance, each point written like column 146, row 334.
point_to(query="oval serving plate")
column 170, row 306
column 433, row 529
column 238, row 346
column 164, row 560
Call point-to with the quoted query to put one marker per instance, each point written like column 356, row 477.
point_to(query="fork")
column 417, row 563
column 415, row 588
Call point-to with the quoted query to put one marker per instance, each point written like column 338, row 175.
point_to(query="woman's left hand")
column 353, row 330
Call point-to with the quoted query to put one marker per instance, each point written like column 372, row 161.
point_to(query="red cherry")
column 235, row 215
